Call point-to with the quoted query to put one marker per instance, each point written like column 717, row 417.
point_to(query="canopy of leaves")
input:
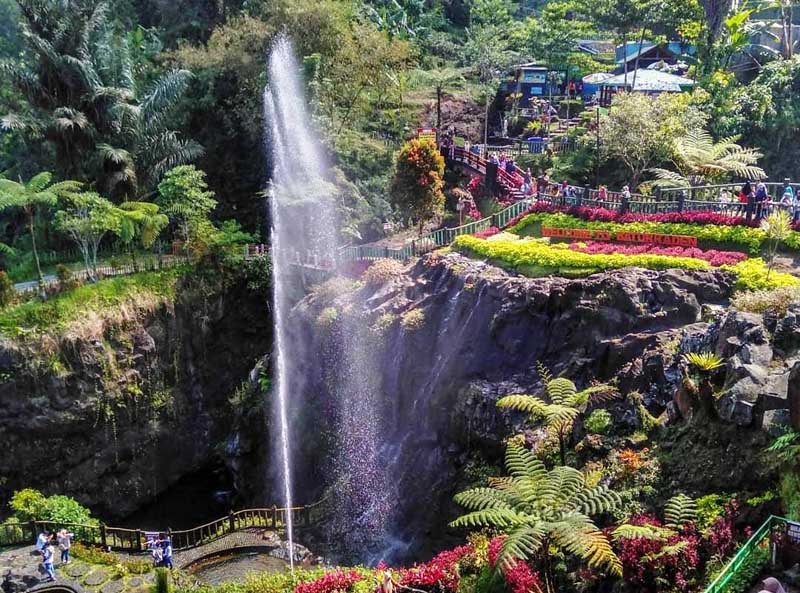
column 416, row 189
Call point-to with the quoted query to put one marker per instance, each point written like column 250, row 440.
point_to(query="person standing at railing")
column 602, row 195
column 42, row 541
column 526, row 182
column 762, row 200
column 64, row 544
column 48, row 555
column 166, row 553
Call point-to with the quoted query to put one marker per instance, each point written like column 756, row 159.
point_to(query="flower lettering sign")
column 623, row 237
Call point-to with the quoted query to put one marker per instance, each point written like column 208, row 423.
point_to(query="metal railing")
column 762, row 534
column 135, row 540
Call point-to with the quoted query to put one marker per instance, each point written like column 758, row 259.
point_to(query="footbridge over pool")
column 247, row 528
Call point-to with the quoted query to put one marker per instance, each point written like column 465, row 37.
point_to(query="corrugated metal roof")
column 650, row 80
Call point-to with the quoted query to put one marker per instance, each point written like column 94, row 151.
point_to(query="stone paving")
column 21, row 569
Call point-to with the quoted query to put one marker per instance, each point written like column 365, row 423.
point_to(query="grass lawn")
column 61, row 310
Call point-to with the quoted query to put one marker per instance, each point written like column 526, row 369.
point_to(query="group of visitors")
column 45, row 548
column 160, row 546
column 761, row 198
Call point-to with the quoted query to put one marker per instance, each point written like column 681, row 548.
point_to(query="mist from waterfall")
column 303, row 226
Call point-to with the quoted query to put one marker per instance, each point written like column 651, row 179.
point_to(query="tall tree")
column 416, row 189
column 38, row 192
column 82, row 99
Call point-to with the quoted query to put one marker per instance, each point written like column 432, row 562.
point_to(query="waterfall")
column 303, row 228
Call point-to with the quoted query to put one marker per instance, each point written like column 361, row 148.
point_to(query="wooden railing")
column 135, row 540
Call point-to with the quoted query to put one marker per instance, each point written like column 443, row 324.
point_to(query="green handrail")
column 731, row 568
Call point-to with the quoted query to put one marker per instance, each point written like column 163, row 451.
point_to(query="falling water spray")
column 303, row 227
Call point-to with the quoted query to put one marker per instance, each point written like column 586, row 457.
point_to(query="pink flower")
column 712, row 256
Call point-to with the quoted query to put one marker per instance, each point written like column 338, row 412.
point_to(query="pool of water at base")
column 226, row 568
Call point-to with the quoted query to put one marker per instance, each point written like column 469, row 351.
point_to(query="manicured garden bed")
column 709, row 235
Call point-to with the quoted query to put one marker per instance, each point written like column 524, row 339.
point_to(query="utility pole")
column 597, row 135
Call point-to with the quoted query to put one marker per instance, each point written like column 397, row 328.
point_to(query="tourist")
column 602, row 194
column 526, row 182
column 772, row 585
column 796, row 208
column 155, row 550
column 626, row 199
column 762, row 199
column 461, row 207
column 166, row 553
column 42, row 541
column 787, row 199
column 64, row 544
column 387, row 584
column 48, row 553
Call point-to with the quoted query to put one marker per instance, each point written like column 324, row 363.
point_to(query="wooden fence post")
column 33, row 530
column 231, row 521
column 103, row 539
column 139, row 536
column 274, row 517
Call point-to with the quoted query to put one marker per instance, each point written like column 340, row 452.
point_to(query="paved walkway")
column 252, row 537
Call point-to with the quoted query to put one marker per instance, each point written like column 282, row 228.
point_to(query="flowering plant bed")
column 532, row 254
column 746, row 237
column 712, row 256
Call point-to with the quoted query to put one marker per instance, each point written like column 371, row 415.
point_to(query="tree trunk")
column 438, row 109
column 716, row 12
column 787, row 42
column 636, row 63
column 486, row 127
column 625, row 58
column 39, row 275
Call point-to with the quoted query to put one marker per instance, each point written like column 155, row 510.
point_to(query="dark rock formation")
column 113, row 411
column 454, row 335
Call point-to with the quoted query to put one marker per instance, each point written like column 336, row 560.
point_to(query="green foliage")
column 87, row 105
column 709, row 509
column 700, row 161
column 7, row 291
column 565, row 405
column 413, row 319
column 705, row 362
column 751, row 568
column 753, row 274
column 30, row 504
column 416, row 189
column 541, row 511
column 598, row 422
column 104, row 296
column 184, row 196
column 121, row 566
column 679, row 511
column 641, row 130
column 163, row 584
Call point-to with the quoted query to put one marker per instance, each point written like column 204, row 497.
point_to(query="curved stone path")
column 251, row 537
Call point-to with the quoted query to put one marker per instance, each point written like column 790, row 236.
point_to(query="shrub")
column 753, row 274
column 123, row 566
column 413, row 319
column 7, row 291
column 162, row 581
column 383, row 323
column 327, row 317
column 777, row 300
column 382, row 271
column 598, row 422
column 30, row 504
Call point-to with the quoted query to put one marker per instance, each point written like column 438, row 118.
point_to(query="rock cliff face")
column 114, row 410
column 453, row 335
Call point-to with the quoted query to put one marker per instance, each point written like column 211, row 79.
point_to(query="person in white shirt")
column 64, row 544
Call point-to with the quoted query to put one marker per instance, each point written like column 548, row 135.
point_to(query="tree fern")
column 541, row 511
column 679, row 511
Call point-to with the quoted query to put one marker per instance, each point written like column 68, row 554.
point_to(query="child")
column 48, row 553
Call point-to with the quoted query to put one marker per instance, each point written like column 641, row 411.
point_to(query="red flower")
column 330, row 582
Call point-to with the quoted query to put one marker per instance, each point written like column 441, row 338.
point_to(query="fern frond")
column 679, row 511
column 649, row 532
column 561, row 391
column 501, row 518
column 524, row 403
column 523, row 463
column 483, row 498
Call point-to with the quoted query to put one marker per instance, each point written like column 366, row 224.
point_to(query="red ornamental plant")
column 330, row 582
column 594, row 214
column 485, row 234
column 720, row 537
column 648, row 562
column 441, row 571
column 713, row 256
column 519, row 577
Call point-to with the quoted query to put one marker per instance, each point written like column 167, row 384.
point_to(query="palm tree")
column 699, row 160
column 542, row 511
column 565, row 405
column 83, row 99
column 29, row 196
